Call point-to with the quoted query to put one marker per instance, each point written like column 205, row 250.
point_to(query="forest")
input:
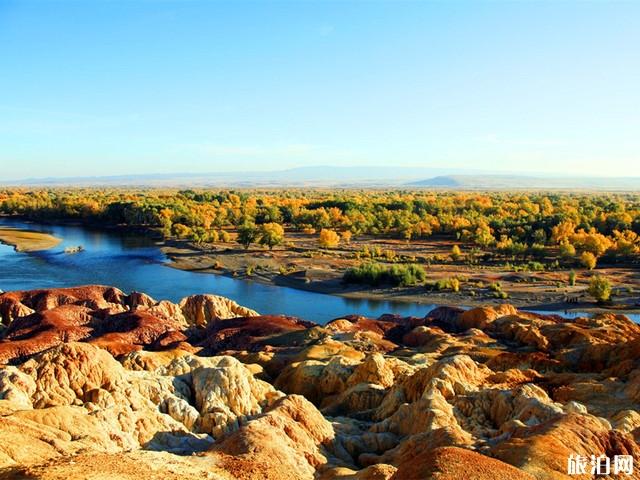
column 570, row 228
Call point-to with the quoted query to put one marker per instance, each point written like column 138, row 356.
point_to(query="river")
column 134, row 262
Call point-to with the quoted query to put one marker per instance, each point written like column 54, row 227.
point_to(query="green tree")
column 271, row 234
column 247, row 234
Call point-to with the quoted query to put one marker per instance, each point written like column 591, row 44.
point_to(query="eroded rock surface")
column 209, row 389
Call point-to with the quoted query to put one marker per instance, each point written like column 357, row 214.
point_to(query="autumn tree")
column 180, row 230
column 588, row 260
column 591, row 241
column 483, row 236
column 346, row 236
column 567, row 251
column 563, row 231
column 328, row 238
column 271, row 234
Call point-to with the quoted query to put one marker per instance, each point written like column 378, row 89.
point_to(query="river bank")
column 285, row 280
column 539, row 291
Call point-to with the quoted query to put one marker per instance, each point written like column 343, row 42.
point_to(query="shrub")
column 572, row 278
column 389, row 255
column 567, row 250
column 535, row 266
column 180, row 230
column 283, row 270
column 372, row 273
column 496, row 288
column 212, row 237
column 328, row 238
column 455, row 254
column 451, row 283
column 588, row 260
column 600, row 288
column 346, row 237
column 405, row 275
column 537, row 250
column 369, row 273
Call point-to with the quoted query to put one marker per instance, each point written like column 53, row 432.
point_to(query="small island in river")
column 27, row 240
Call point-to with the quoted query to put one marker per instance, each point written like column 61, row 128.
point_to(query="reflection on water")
column 133, row 262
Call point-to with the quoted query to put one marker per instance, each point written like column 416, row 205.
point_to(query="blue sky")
column 111, row 87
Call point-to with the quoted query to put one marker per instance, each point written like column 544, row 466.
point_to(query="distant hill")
column 443, row 181
column 346, row 177
column 313, row 176
column 503, row 182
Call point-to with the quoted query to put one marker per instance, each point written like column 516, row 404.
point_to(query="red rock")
column 92, row 314
column 253, row 333
column 91, row 296
column 388, row 327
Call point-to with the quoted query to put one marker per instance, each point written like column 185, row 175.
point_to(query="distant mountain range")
column 348, row 177
column 503, row 182
column 314, row 175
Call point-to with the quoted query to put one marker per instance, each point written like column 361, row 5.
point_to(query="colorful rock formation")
column 97, row 380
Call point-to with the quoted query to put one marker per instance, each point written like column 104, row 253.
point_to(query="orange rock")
column 285, row 442
column 481, row 317
column 453, row 463
column 544, row 450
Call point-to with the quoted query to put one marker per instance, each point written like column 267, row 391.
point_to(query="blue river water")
column 135, row 263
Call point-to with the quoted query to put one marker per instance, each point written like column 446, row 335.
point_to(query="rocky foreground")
column 99, row 384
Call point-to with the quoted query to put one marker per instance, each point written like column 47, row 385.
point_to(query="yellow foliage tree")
column 588, row 260
column 329, row 238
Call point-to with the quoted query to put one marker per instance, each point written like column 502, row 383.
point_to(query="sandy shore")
column 26, row 240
